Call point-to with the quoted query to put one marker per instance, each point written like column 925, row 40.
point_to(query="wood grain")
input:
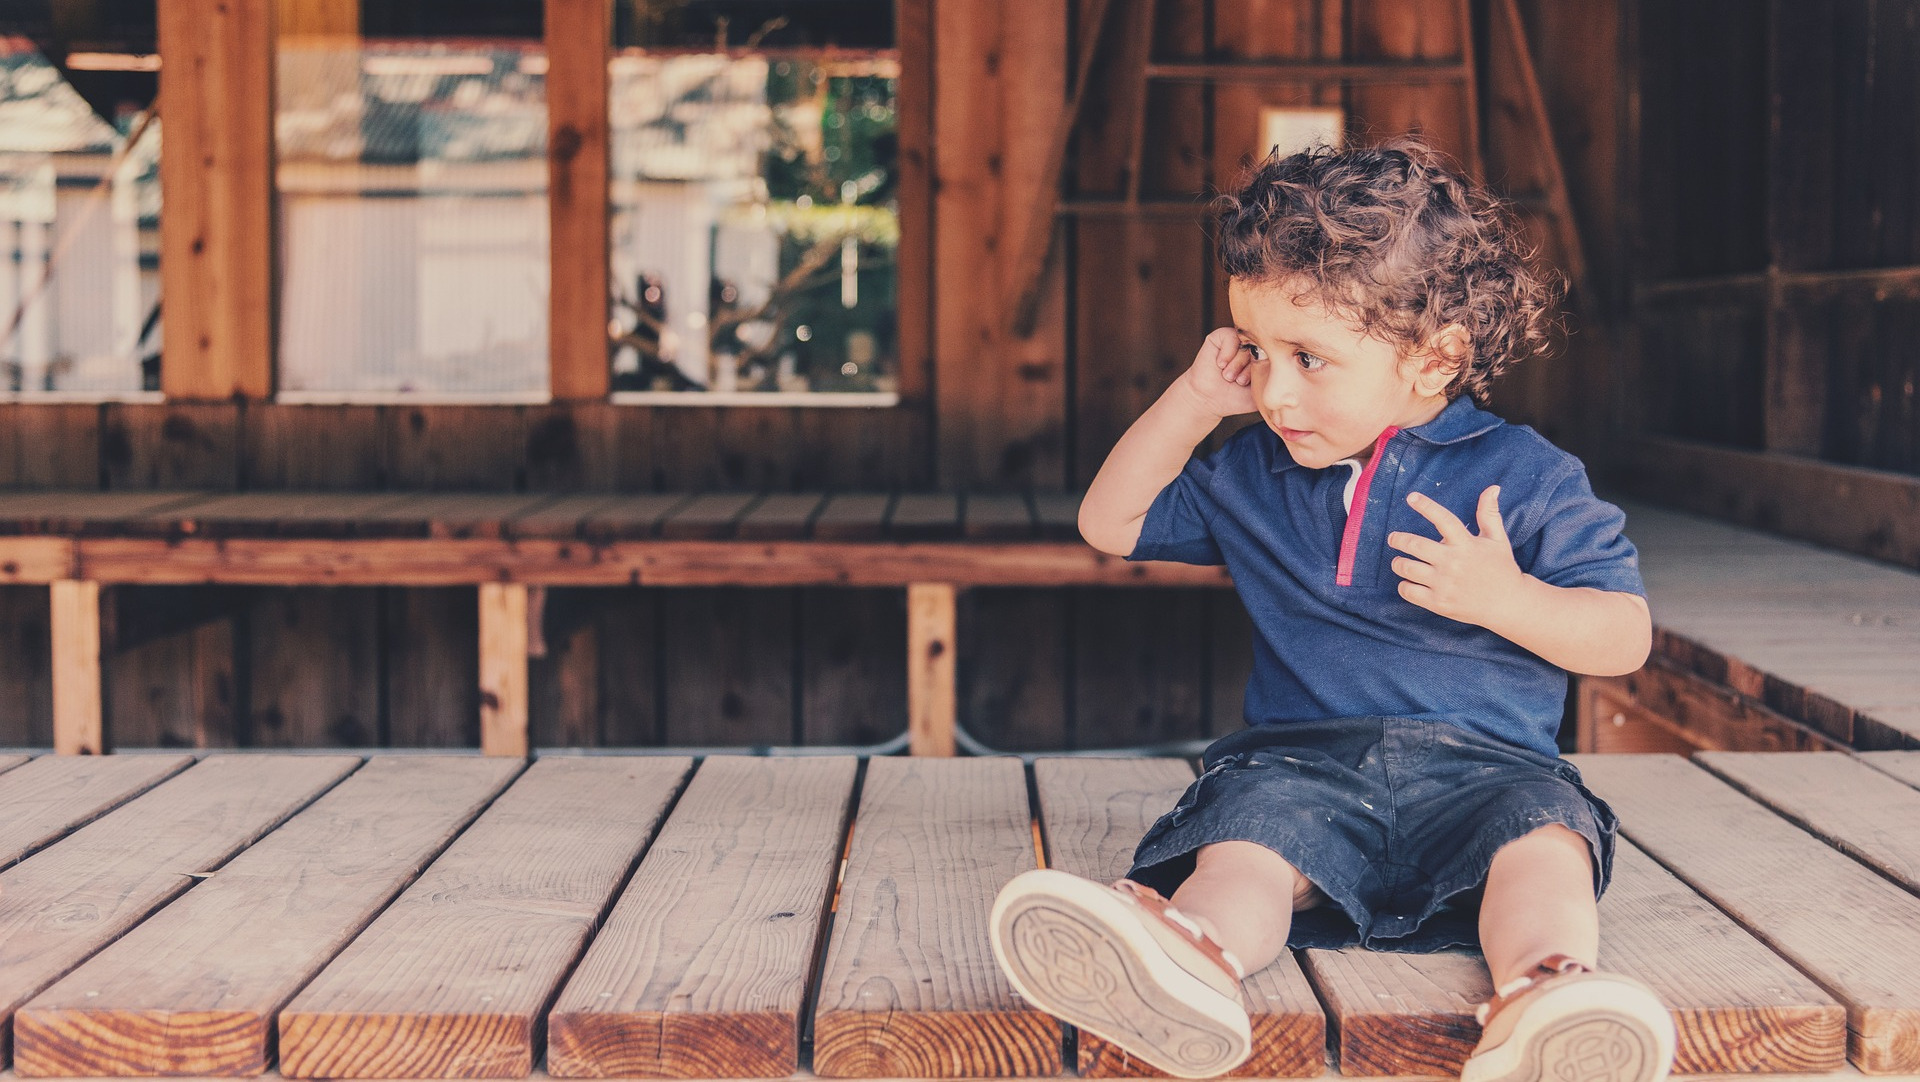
column 1847, row 804
column 932, row 699
column 503, row 668
column 703, row 964
column 579, row 36
column 909, row 986
column 64, row 903
column 1401, row 1014
column 1852, row 931
column 77, row 691
column 216, row 241
column 1092, row 814
column 44, row 799
column 450, row 981
column 1904, row 765
column 194, row 989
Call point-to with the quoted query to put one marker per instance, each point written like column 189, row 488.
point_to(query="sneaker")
column 1121, row 963
column 1565, row 1022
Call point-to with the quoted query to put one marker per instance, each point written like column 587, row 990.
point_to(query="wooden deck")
column 326, row 915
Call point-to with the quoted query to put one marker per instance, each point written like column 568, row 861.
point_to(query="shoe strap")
column 1553, row 965
column 1162, row 910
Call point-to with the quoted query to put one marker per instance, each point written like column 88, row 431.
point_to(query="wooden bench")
column 1761, row 643
column 514, row 546
column 650, row 916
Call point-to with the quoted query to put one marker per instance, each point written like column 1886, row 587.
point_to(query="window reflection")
column 754, row 223
column 413, row 204
column 79, row 237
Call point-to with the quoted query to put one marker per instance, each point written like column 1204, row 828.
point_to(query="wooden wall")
column 1776, row 277
column 1123, row 304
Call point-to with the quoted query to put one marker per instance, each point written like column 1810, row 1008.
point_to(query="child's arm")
column 1474, row 579
column 1156, row 447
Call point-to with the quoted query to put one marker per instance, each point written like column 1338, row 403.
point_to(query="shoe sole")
column 1077, row 952
column 1583, row 1044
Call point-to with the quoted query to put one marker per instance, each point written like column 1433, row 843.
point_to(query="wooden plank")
column 76, row 668
column 998, row 516
column 313, row 662
column 1013, row 686
column 853, row 689
column 52, row 795
column 853, row 516
column 1874, row 513
column 925, row 516
column 1706, row 715
column 35, row 559
column 272, row 514
column 909, row 987
column 455, row 448
column 631, row 517
column 450, row 981
column 81, row 513
column 579, row 36
column 216, row 240
column 712, row 516
column 8, row 762
column 1158, row 695
column 1001, row 395
column 703, row 963
column 1401, row 1014
column 193, row 990
column 781, row 516
column 1092, row 814
column 1861, row 812
column 63, row 904
column 563, row 519
column 1852, row 931
column 728, row 665
column 1904, row 765
column 306, row 447
column 913, row 112
column 1058, row 515
column 1737, row 1007
column 932, row 699
column 420, row 562
column 451, row 514
column 432, row 669
column 503, row 668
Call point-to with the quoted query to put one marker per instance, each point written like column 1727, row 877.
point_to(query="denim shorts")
column 1395, row 820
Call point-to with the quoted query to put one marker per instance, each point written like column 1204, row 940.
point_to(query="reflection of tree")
column 777, row 312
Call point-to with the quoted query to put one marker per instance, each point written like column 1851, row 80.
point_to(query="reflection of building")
column 688, row 135
column 78, row 279
column 413, row 202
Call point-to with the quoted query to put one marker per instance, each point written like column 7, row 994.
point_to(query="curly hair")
column 1396, row 239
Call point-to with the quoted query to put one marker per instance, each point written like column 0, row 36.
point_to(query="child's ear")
column 1448, row 353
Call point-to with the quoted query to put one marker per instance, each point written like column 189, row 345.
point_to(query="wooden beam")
column 503, row 668
column 579, row 39
column 471, row 561
column 216, row 178
column 913, row 106
column 932, row 698
column 1566, row 230
column 75, row 622
column 1874, row 513
column 1036, row 242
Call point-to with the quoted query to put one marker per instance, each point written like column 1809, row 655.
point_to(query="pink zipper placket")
column 1356, row 515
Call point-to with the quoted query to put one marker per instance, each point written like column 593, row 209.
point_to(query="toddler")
column 1421, row 576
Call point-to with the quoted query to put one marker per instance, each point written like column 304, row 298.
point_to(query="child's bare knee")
column 1553, row 842
column 1250, row 859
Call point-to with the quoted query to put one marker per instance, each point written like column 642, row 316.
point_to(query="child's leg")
column 1244, row 895
column 1539, row 902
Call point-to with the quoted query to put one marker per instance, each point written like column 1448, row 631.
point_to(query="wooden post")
column 579, row 38
column 76, row 667
column 503, row 668
column 932, row 703
column 216, row 177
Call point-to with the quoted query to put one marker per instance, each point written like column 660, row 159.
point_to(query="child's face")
column 1325, row 387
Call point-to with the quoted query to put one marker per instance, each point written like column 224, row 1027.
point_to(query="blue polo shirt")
column 1335, row 639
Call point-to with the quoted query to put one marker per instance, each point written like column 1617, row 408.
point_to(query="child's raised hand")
column 1462, row 576
column 1219, row 374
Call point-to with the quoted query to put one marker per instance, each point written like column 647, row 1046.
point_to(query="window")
column 79, row 224
column 754, row 227
column 412, row 180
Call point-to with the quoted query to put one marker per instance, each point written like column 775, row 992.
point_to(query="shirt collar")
column 1460, row 420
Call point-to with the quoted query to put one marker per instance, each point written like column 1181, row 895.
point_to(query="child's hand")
column 1218, row 377
column 1464, row 577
